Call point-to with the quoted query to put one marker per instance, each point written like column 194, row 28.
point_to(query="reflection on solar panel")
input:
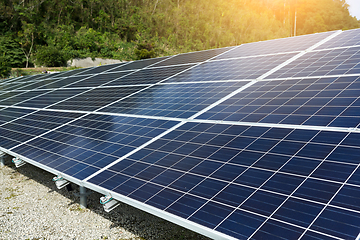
column 258, row 141
column 233, row 69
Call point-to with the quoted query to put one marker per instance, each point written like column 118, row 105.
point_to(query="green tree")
column 5, row 68
column 11, row 51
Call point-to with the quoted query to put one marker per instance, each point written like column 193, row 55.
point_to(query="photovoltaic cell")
column 316, row 101
column 10, row 114
column 322, row 63
column 33, row 125
column 206, row 173
column 174, row 100
column 148, row 76
column 88, row 144
column 137, row 64
column 345, row 39
column 233, row 69
column 14, row 86
column 95, row 98
column 293, row 44
column 62, row 82
column 37, row 84
column 12, row 98
column 193, row 57
column 98, row 80
column 72, row 72
column 50, row 98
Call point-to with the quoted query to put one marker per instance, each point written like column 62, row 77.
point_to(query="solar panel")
column 311, row 101
column 12, row 98
column 82, row 147
column 174, row 100
column 97, row 80
column 321, row 63
column 294, row 44
column 194, row 57
column 95, row 98
column 346, row 39
column 148, row 76
column 257, row 141
column 232, row 69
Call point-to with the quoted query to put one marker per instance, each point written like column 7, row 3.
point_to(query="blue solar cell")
column 300, row 166
column 186, row 206
column 144, row 192
column 193, row 57
column 257, row 204
column 283, row 183
column 333, row 171
column 50, row 98
column 316, row 190
column 346, row 38
column 228, row 172
column 94, row 99
column 208, row 188
column 275, row 230
column 211, row 214
column 239, row 219
column 164, row 198
column 232, row 69
column 298, row 212
column 340, row 223
column 345, row 154
column 148, row 76
column 86, row 142
column 12, row 98
column 326, row 62
column 348, row 198
column 310, row 102
column 97, row 80
column 175, row 100
column 309, row 235
column 298, row 43
column 233, row 195
column 253, row 177
column 9, row 114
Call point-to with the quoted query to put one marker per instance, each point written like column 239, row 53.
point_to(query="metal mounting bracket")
column 18, row 162
column 2, row 158
column 60, row 182
column 109, row 203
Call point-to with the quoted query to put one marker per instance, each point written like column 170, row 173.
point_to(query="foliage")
column 118, row 28
column 50, row 56
column 5, row 68
column 145, row 50
column 11, row 51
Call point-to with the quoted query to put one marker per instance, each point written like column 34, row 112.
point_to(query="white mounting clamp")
column 109, row 203
column 18, row 162
column 60, row 182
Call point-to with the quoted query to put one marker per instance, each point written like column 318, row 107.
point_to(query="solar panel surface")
column 257, row 141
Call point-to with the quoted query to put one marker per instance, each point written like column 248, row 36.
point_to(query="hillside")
column 49, row 33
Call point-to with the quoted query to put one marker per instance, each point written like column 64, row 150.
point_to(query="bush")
column 50, row 57
column 5, row 68
column 145, row 50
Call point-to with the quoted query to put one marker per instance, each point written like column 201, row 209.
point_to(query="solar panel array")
column 258, row 141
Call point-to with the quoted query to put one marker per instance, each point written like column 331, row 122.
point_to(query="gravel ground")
column 32, row 208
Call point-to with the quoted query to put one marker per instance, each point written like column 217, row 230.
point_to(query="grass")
column 17, row 72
